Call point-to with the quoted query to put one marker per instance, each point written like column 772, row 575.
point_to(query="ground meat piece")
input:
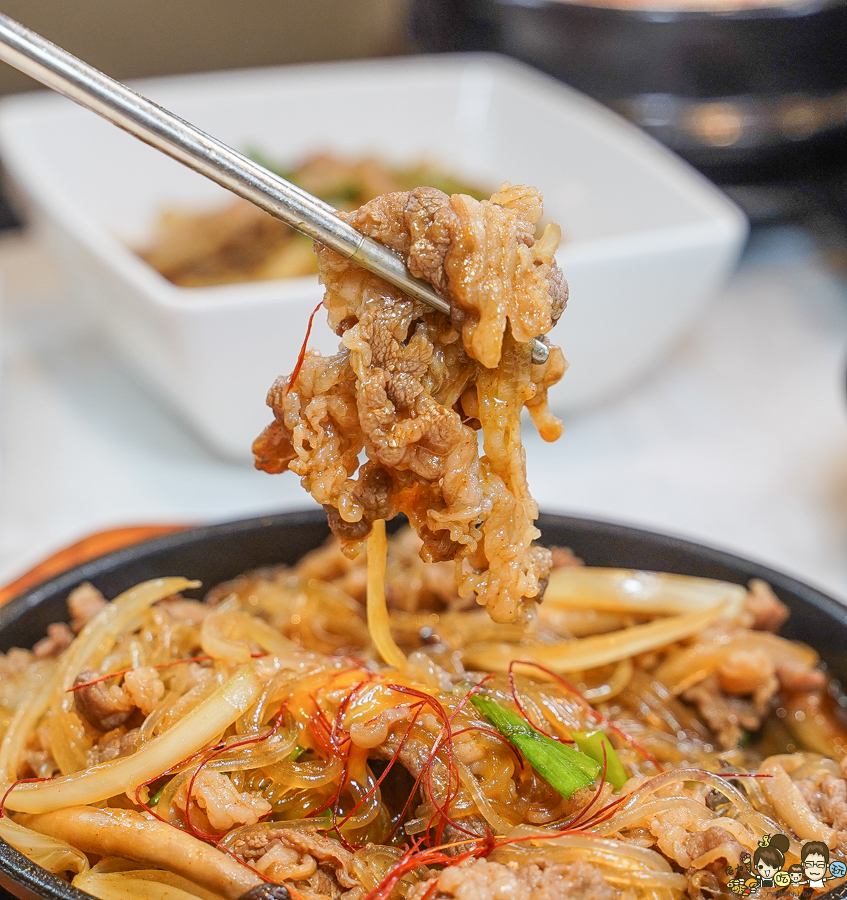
column 59, row 638
column 182, row 610
column 797, row 677
column 768, row 611
column 107, row 707
column 703, row 844
column 235, row 243
column 305, row 858
column 273, row 449
column 267, row 892
column 745, row 673
column 538, row 880
column 84, row 603
column 38, row 756
column 114, row 745
column 144, row 687
column 409, row 385
column 834, row 802
column 564, row 558
column 727, row 717
column 791, row 802
column 40, row 763
column 826, row 796
column 14, row 662
column 224, row 805
column 103, row 706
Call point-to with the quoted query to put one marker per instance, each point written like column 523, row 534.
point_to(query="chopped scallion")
column 158, row 795
column 565, row 769
column 592, row 743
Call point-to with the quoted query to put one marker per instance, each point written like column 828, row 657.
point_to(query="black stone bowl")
column 219, row 552
column 744, row 94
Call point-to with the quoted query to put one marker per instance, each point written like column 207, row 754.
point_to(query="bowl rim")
column 664, row 11
column 715, row 218
column 39, row 884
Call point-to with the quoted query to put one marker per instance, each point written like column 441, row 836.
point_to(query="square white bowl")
column 647, row 239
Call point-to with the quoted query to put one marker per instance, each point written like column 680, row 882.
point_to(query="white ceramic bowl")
column 647, row 240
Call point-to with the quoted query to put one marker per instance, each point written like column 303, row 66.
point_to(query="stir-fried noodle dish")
column 451, row 713
column 240, row 242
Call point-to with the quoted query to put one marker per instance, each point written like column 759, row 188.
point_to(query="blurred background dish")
column 646, row 240
column 752, row 92
column 241, row 242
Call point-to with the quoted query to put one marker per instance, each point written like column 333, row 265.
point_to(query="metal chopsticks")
column 64, row 73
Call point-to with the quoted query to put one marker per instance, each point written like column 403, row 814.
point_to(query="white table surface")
column 739, row 438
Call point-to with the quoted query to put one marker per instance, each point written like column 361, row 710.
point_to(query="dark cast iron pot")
column 742, row 93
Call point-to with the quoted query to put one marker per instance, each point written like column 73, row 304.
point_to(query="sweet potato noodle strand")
column 276, row 747
column 411, row 387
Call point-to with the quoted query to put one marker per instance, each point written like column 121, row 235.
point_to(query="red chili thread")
column 302, row 354
column 217, row 751
column 450, row 765
column 516, row 697
column 12, row 786
column 167, row 665
column 394, row 757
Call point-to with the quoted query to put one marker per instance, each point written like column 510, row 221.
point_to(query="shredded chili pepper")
column 12, row 786
column 167, row 665
column 302, row 354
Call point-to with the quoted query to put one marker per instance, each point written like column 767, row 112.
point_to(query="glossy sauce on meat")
column 412, row 388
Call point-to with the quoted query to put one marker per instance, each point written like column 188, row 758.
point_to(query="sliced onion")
column 786, row 798
column 196, row 730
column 50, row 853
column 616, row 683
column 68, row 741
column 679, row 671
column 218, row 641
column 113, row 865
column 591, row 652
column 640, row 593
column 20, row 727
column 814, row 720
column 128, row 886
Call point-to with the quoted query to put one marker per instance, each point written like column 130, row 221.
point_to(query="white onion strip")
column 89, row 649
column 597, row 650
column 50, row 853
column 23, row 721
column 791, row 806
column 202, row 725
column 639, row 593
